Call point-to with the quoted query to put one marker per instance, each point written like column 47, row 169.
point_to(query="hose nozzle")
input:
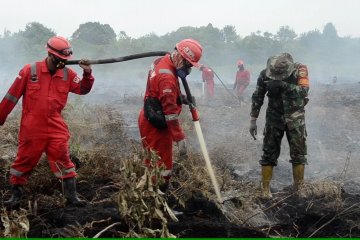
column 195, row 114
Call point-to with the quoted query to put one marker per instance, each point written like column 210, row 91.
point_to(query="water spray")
column 120, row 59
column 195, row 118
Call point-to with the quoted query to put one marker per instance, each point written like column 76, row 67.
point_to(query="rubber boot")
column 266, row 172
column 17, row 192
column 298, row 175
column 70, row 193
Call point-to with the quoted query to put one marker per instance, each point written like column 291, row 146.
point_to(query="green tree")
column 36, row 33
column 30, row 43
column 229, row 34
column 259, row 47
column 94, row 33
column 329, row 31
column 285, row 34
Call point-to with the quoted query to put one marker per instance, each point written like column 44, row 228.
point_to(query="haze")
column 140, row 17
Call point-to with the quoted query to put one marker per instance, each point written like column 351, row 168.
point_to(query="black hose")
column 225, row 86
column 189, row 97
column 120, row 59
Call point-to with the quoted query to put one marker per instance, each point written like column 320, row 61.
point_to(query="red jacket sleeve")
column 80, row 86
column 169, row 92
column 13, row 95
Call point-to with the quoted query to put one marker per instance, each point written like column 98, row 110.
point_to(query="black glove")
column 253, row 128
column 76, row 161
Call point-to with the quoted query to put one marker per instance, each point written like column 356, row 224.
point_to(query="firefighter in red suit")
column 242, row 79
column 163, row 87
column 45, row 86
column 208, row 79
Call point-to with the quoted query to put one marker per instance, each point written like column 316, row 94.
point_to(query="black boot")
column 17, row 192
column 70, row 193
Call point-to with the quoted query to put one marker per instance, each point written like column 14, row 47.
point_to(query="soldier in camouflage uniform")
column 286, row 84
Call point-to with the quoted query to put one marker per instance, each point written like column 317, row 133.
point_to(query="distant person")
column 208, row 80
column 287, row 85
column 242, row 80
column 159, row 118
column 45, row 86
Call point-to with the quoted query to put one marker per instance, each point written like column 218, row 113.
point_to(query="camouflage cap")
column 280, row 67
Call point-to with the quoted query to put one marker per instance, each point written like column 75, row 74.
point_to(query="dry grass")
column 141, row 204
column 16, row 223
column 109, row 159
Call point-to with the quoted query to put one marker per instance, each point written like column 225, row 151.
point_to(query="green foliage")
column 330, row 31
column 321, row 50
column 229, row 34
column 95, row 33
column 285, row 34
column 36, row 33
column 24, row 46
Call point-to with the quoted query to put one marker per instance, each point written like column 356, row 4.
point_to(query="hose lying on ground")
column 232, row 94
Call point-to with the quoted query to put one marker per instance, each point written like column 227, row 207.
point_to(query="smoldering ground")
column 105, row 135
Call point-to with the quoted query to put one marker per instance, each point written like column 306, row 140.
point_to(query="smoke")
column 331, row 115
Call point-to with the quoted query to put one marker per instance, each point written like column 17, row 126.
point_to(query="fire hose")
column 196, row 118
column 120, row 59
column 193, row 110
column 225, row 86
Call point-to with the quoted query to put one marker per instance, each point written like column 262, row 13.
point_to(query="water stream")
column 207, row 160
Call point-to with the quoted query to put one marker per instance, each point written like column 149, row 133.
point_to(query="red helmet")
column 60, row 47
column 191, row 50
column 240, row 62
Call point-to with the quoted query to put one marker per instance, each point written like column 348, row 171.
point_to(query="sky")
column 140, row 17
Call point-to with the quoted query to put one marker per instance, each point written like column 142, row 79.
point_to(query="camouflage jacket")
column 286, row 106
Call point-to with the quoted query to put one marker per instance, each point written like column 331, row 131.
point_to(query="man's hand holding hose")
column 85, row 64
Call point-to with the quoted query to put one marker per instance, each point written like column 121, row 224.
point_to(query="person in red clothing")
column 158, row 119
column 45, row 86
column 208, row 79
column 242, row 80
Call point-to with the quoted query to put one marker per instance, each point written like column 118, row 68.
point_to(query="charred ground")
column 105, row 139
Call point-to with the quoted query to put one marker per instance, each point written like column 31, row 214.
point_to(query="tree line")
column 324, row 51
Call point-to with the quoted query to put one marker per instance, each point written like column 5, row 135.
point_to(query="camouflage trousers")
column 272, row 144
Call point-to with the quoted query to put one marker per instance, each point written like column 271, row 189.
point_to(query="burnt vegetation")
column 124, row 202
column 105, row 144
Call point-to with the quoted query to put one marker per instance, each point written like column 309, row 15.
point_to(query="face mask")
column 183, row 72
column 58, row 62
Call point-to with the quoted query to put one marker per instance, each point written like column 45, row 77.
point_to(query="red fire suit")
column 208, row 78
column 42, row 128
column 163, row 84
column 242, row 80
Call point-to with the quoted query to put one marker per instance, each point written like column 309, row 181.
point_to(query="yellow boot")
column 266, row 172
column 298, row 175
